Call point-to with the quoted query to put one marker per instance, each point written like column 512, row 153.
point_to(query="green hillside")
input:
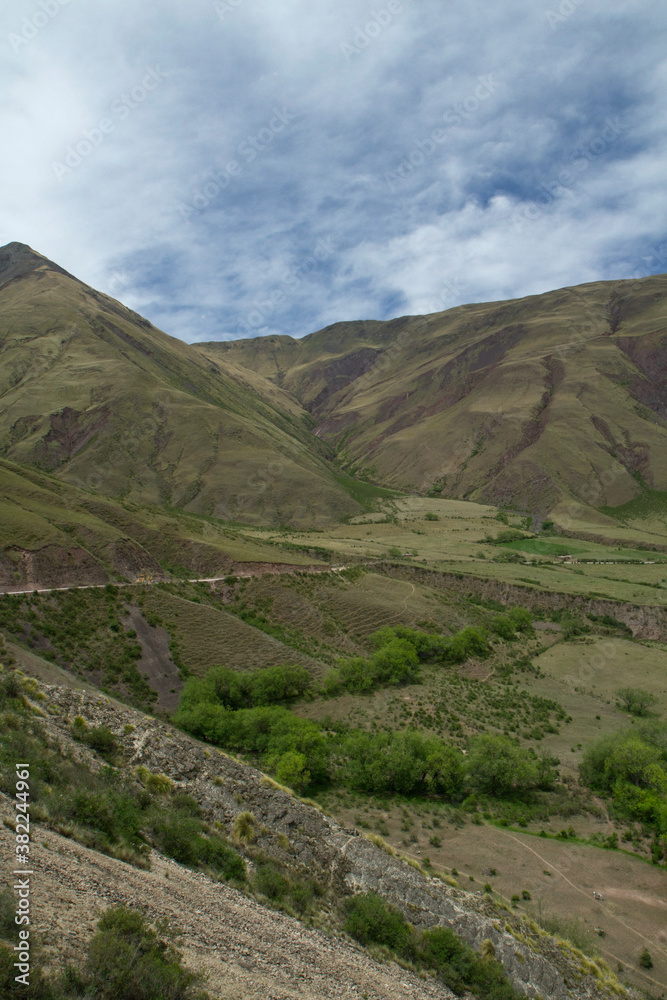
column 53, row 534
column 552, row 403
column 97, row 396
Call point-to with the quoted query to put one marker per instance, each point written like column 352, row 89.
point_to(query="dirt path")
column 241, row 574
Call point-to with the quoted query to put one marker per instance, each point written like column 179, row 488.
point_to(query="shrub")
column 636, row 700
column 291, row 770
column 245, row 828
column 10, row 686
column 503, row 626
column 100, row 739
column 223, row 859
column 457, row 965
column 269, row 882
column 522, row 618
column 645, row 959
column 370, row 920
column 395, row 663
column 8, row 928
column 497, row 765
column 128, row 961
column 430, row 516
column 179, row 837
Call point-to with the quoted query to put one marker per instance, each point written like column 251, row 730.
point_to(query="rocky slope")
column 247, row 950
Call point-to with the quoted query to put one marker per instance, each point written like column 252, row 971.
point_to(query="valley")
column 404, row 583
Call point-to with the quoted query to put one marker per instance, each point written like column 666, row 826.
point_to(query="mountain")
column 95, row 395
column 551, row 402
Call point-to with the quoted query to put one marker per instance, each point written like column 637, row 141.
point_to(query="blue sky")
column 245, row 167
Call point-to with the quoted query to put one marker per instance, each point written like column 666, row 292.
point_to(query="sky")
column 235, row 168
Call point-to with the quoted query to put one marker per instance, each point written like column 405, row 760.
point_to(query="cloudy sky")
column 245, row 167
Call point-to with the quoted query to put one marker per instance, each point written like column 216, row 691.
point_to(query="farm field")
column 450, row 535
column 208, row 636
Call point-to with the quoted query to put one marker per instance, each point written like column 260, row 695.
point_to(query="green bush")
column 270, row 882
column 522, row 618
column 8, row 928
column 370, row 920
column 223, row 859
column 645, row 959
column 128, row 961
column 504, row 627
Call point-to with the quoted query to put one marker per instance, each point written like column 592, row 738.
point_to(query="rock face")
column 309, row 843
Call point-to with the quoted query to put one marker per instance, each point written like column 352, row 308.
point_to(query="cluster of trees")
column 300, row 752
column 371, row 920
column 632, row 766
column 398, row 652
column 236, row 689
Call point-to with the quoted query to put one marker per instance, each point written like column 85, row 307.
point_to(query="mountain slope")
column 554, row 398
column 94, row 394
column 53, row 535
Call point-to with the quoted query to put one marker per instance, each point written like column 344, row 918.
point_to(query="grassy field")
column 450, row 535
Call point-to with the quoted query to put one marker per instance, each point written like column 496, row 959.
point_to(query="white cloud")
column 461, row 216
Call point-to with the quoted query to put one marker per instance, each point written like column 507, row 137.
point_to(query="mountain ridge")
column 573, row 377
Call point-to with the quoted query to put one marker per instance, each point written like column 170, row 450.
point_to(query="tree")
column 291, row 769
column 356, row 675
column 636, row 700
column 522, row 618
column 396, row 663
column 497, row 765
column 636, row 762
column 645, row 959
column 444, row 769
column 503, row 626
column 468, row 642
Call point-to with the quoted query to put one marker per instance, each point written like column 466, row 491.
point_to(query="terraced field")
column 207, row 636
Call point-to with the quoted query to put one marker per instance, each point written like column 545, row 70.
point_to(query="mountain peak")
column 18, row 259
